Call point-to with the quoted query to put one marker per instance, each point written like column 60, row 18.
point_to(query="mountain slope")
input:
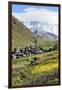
column 47, row 35
column 21, row 35
column 46, row 30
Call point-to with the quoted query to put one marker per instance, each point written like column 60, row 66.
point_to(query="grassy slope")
column 24, row 73
column 21, row 36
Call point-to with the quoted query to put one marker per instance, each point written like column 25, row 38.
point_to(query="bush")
column 35, row 61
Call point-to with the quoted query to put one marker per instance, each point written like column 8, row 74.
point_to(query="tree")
column 35, row 41
column 55, row 46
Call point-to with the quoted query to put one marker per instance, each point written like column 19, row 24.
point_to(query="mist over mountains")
column 43, row 30
column 40, row 19
column 23, row 36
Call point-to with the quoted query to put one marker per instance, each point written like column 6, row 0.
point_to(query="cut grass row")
column 26, row 60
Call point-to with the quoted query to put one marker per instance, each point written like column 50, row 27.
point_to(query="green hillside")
column 21, row 35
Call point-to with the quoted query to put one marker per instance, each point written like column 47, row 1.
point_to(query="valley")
column 34, row 68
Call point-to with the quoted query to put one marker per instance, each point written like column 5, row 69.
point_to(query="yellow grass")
column 44, row 68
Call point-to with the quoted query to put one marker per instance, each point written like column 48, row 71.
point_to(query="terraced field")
column 45, row 72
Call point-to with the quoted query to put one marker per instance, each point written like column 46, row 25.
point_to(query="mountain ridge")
column 22, row 36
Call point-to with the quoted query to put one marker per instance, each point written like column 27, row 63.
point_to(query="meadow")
column 43, row 73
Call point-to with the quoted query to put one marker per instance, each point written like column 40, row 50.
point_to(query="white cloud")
column 41, row 15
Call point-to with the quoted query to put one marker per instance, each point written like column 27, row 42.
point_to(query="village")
column 27, row 51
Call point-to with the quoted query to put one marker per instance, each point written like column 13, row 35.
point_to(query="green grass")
column 23, row 73
column 20, row 34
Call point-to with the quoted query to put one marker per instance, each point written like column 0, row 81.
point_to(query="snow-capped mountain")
column 39, row 26
column 44, row 30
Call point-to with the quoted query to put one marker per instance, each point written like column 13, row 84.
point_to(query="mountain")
column 52, row 36
column 46, row 35
column 21, row 35
column 42, row 26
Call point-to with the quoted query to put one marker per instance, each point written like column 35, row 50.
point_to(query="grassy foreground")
column 46, row 72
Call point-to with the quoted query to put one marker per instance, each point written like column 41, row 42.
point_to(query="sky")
column 43, row 14
column 20, row 8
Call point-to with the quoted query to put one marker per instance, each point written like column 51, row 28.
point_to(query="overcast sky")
column 43, row 14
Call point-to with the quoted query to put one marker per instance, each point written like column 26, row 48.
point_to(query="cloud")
column 36, row 14
column 33, row 10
